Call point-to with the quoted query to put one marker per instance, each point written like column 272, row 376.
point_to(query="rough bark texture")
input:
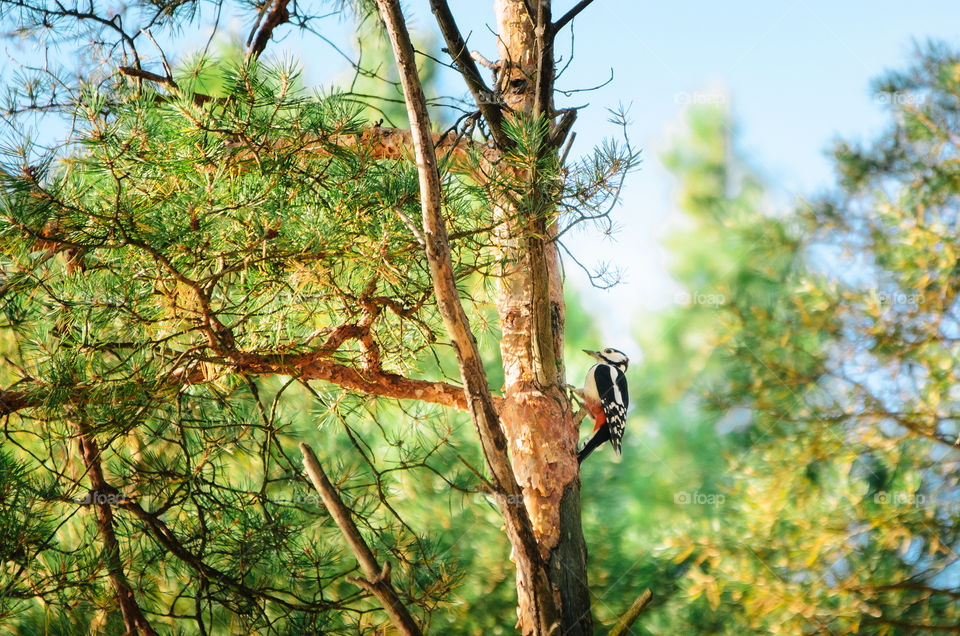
column 536, row 414
column 537, row 605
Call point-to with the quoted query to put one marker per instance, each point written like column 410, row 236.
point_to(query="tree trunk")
column 533, row 459
column 538, row 597
column 536, row 414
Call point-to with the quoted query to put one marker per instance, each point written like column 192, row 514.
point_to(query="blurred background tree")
column 791, row 465
column 802, row 470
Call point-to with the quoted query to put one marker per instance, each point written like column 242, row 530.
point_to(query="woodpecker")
column 606, row 398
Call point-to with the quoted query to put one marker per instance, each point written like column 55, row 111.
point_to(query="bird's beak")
column 595, row 354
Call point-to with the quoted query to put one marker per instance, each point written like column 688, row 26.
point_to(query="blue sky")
column 795, row 74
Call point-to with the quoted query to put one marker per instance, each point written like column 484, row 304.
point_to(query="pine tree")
column 835, row 346
column 214, row 262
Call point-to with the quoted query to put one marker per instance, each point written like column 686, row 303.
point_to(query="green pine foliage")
column 824, row 376
column 237, row 219
column 791, row 460
column 197, row 231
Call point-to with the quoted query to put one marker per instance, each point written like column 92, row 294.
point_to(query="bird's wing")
column 612, row 388
column 622, row 385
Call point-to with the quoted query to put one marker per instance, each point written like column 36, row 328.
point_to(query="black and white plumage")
column 606, row 397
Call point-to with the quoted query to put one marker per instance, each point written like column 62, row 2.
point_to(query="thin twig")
column 139, row 73
column 480, row 59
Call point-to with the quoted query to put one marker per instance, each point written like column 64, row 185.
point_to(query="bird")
column 606, row 398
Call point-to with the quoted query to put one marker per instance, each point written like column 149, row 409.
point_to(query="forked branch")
column 376, row 579
column 457, row 48
column 531, row 569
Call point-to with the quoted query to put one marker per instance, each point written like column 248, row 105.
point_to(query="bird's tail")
column 599, row 438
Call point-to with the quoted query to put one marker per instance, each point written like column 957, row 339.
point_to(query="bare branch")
column 570, row 15
column 377, row 579
column 480, row 59
column 277, row 16
column 543, row 34
column 623, row 624
column 562, row 129
column 457, row 49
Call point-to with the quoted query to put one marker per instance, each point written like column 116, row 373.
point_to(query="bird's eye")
column 607, row 351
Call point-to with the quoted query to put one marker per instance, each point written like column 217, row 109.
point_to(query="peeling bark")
column 536, row 413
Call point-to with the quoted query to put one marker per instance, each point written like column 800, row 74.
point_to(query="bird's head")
column 611, row 356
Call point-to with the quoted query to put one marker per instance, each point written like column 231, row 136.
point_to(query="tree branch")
column 623, row 624
column 278, row 15
column 139, row 73
column 530, row 565
column 165, row 537
column 562, row 129
column 377, row 579
column 381, row 142
column 315, row 366
column 133, row 617
column 543, row 34
column 570, row 15
column 318, row 366
column 482, row 95
column 480, row 59
column 13, row 401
